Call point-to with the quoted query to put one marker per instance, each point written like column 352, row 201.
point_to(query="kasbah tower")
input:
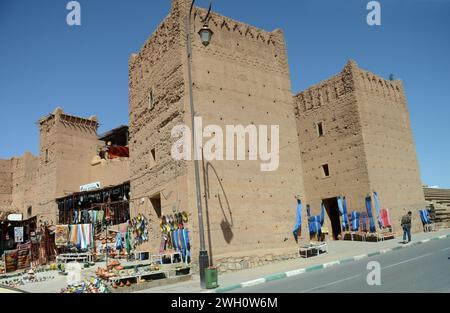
column 242, row 78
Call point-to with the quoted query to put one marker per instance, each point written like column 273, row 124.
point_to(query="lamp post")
column 205, row 35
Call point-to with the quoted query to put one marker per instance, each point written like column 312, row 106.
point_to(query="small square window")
column 46, row 155
column 319, row 127
column 326, row 170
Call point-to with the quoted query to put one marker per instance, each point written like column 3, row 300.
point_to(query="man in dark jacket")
column 406, row 225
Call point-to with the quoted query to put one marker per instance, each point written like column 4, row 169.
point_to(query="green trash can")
column 211, row 278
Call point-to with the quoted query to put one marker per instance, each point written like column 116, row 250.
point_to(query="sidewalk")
column 338, row 252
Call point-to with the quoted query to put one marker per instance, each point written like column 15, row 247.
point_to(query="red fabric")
column 118, row 152
column 385, row 218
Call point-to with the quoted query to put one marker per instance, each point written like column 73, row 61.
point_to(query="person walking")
column 406, row 225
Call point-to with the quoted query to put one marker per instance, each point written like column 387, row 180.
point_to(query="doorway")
column 156, row 203
column 332, row 209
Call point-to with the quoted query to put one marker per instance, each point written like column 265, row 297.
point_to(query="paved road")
column 421, row 268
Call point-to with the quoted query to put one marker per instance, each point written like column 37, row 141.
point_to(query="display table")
column 74, row 257
column 138, row 277
column 158, row 259
column 313, row 249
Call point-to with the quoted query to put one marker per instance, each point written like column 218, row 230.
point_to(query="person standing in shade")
column 406, row 225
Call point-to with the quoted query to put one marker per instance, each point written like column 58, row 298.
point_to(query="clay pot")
column 128, row 283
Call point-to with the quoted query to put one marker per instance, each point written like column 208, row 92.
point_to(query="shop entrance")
column 156, row 203
column 332, row 209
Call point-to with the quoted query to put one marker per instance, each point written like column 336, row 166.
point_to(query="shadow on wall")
column 227, row 222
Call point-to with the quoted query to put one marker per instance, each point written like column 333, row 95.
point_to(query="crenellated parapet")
column 352, row 78
column 374, row 84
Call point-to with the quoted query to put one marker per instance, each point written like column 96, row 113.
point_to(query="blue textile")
column 363, row 221
column 183, row 244
column 187, row 243
column 369, row 214
column 299, row 220
column 119, row 243
column 424, row 217
column 355, row 221
column 314, row 225
column 308, row 210
column 377, row 208
column 341, row 206
column 346, row 221
column 322, row 215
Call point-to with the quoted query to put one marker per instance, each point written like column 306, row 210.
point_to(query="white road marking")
column 446, row 249
column 407, row 261
column 295, row 272
column 360, row 257
column 426, row 240
column 253, row 282
column 330, row 264
column 331, row 284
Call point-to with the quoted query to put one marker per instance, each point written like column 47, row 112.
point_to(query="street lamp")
column 205, row 35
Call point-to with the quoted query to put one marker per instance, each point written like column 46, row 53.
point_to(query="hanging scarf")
column 369, row 214
column 322, row 214
column 187, row 242
column 183, row 244
column 346, row 221
column 377, row 208
column 298, row 224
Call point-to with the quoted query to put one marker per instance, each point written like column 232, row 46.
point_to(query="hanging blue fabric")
column 314, row 225
column 346, row 221
column 119, row 243
column 377, row 208
column 186, row 240
column 183, row 244
column 369, row 214
column 175, row 240
column 355, row 221
column 341, row 206
column 299, row 220
column 424, row 217
column 322, row 214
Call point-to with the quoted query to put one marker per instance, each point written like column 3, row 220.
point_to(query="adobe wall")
column 110, row 172
column 158, row 70
column 24, row 182
column 389, row 145
column 5, row 185
column 333, row 103
column 242, row 78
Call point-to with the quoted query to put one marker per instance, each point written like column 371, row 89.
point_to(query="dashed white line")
column 331, row 284
column 407, row 261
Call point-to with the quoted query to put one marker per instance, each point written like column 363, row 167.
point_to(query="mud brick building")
column 355, row 138
column 347, row 136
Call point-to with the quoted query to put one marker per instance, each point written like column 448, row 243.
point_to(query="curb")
column 301, row 271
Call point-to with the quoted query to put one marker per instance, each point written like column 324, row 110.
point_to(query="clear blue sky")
column 44, row 63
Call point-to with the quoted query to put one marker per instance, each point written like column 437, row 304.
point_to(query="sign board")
column 18, row 234
column 89, row 187
column 15, row 217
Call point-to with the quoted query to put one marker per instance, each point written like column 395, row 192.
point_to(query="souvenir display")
column 139, row 228
column 175, row 235
column 91, row 286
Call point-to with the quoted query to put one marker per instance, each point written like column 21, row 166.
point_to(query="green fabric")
column 127, row 242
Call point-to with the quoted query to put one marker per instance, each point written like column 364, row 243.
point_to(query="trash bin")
column 211, row 278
